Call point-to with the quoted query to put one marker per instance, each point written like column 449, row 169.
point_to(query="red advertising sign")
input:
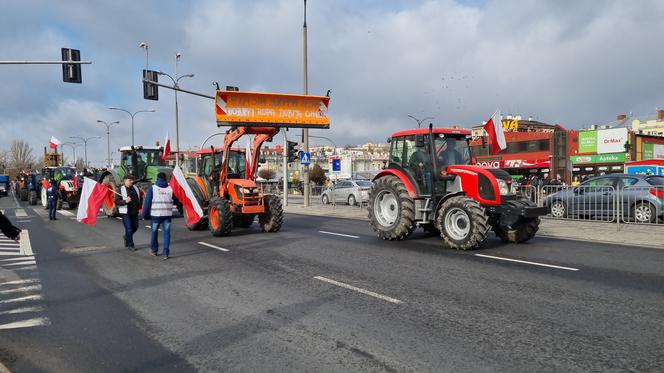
column 514, row 163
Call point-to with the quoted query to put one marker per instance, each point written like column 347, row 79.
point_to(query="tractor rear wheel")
column 391, row 210
column 273, row 216
column 23, row 194
column 462, row 222
column 32, row 197
column 220, row 217
column 522, row 231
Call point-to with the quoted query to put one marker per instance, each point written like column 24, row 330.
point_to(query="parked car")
column 640, row 198
column 348, row 191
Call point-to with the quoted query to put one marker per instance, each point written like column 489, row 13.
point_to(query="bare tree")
column 20, row 155
column 267, row 173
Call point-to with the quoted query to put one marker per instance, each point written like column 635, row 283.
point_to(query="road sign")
column 271, row 109
column 305, row 158
column 336, row 165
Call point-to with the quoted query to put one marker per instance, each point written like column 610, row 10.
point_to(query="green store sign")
column 588, row 142
column 598, row 158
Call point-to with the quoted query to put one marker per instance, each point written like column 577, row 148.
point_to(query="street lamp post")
column 108, row 138
column 132, row 118
column 85, row 145
column 419, row 121
column 176, row 82
column 73, row 148
column 305, row 131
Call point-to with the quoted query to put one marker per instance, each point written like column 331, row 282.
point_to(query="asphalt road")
column 322, row 295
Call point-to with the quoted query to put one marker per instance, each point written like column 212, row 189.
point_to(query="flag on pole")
column 167, row 148
column 494, row 128
column 54, row 143
column 185, row 195
column 92, row 197
column 248, row 158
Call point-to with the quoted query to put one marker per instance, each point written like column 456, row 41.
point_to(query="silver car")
column 348, row 191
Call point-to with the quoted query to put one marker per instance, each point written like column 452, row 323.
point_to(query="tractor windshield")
column 451, row 150
column 236, row 165
column 64, row 173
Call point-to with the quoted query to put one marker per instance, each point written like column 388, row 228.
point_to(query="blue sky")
column 569, row 62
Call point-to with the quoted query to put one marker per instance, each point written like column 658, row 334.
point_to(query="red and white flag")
column 167, row 148
column 494, row 128
column 92, row 197
column 248, row 158
column 54, row 143
column 185, row 195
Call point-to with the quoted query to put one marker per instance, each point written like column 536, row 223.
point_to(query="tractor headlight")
column 503, row 187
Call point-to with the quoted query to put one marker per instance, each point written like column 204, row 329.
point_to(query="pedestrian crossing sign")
column 305, row 158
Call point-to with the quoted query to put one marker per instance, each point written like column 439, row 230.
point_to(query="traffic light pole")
column 305, row 132
column 45, row 62
column 285, row 161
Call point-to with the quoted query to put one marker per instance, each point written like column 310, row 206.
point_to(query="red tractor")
column 429, row 183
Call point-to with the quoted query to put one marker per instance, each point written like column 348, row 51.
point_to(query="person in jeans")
column 158, row 205
column 129, row 203
column 52, row 199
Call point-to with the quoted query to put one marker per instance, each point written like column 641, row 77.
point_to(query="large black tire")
column 273, row 217
column 391, row 210
column 58, row 205
column 462, row 222
column 23, row 194
column 32, row 197
column 243, row 221
column 72, row 205
column 220, row 217
column 522, row 231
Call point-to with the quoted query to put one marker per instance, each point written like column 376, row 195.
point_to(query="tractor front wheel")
column 522, row 231
column 391, row 210
column 462, row 222
column 220, row 217
column 273, row 216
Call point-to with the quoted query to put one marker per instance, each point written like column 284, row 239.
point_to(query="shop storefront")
column 597, row 164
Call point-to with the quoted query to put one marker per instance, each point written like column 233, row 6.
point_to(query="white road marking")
column 339, row 234
column 66, row 213
column 41, row 212
column 527, row 262
column 15, row 259
column 359, row 290
column 22, row 299
column 31, row 262
column 212, row 246
column 118, row 217
column 22, row 289
column 21, row 310
column 19, row 282
column 20, row 213
column 24, row 243
column 39, row 321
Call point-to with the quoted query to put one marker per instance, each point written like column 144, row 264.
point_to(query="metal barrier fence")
column 623, row 205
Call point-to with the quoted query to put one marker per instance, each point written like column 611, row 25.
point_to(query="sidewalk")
column 609, row 233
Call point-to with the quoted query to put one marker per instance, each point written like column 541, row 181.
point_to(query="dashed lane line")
column 526, row 262
column 212, row 246
column 339, row 234
column 359, row 290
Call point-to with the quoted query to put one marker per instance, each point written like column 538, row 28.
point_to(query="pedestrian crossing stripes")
column 21, row 299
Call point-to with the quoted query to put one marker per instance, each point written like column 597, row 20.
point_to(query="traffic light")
column 71, row 73
column 292, row 152
column 150, row 91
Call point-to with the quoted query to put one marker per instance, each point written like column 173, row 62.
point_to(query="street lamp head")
column 178, row 55
column 143, row 45
column 100, row 121
column 113, row 108
column 116, row 122
column 151, row 110
column 189, row 75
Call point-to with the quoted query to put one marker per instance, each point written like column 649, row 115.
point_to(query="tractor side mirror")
column 419, row 141
column 262, row 160
column 389, row 140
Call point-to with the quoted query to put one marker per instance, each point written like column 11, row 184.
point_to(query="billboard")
column 611, row 140
column 271, row 109
column 653, row 151
column 598, row 158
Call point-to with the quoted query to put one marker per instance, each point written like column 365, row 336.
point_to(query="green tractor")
column 144, row 163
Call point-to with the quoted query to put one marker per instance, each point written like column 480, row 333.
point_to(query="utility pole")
column 305, row 131
column 285, row 165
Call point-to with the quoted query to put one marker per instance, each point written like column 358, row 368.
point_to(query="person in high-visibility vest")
column 129, row 202
column 158, row 204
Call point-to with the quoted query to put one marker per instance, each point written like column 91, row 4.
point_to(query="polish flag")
column 167, row 148
column 494, row 128
column 247, row 158
column 185, row 195
column 92, row 197
column 54, row 143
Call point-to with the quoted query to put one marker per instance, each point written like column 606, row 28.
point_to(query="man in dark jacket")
column 8, row 229
column 129, row 203
column 52, row 196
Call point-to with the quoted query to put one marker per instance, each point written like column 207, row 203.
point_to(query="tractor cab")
column 144, row 162
column 415, row 154
column 210, row 162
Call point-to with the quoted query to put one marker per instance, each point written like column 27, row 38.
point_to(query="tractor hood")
column 152, row 172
